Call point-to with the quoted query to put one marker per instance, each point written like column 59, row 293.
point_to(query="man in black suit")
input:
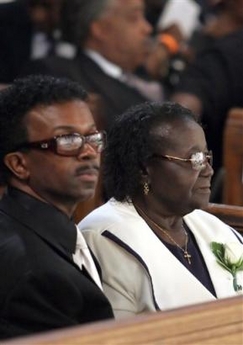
column 49, row 160
column 114, row 40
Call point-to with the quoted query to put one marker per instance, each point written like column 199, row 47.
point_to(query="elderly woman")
column 152, row 240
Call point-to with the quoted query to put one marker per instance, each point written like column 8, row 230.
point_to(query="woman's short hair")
column 131, row 142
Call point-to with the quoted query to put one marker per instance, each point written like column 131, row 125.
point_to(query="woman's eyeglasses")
column 198, row 160
column 68, row 144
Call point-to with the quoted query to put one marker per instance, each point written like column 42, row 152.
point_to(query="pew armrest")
column 230, row 214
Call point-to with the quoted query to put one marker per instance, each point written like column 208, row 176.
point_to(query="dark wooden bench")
column 214, row 323
column 233, row 158
column 232, row 215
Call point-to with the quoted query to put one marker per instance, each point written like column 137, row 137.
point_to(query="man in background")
column 113, row 39
column 29, row 29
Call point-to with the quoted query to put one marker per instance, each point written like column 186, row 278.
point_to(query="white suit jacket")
column 139, row 272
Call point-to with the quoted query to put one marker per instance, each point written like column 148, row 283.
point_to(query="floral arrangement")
column 230, row 257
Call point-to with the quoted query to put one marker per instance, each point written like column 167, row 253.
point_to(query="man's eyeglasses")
column 68, row 144
column 198, row 160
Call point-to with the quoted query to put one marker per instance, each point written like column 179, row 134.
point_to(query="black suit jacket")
column 116, row 95
column 41, row 288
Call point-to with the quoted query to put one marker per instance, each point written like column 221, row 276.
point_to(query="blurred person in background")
column 213, row 83
column 113, row 40
column 29, row 29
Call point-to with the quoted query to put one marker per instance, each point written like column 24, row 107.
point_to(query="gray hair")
column 78, row 15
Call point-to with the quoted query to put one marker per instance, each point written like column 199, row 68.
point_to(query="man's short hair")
column 25, row 94
column 77, row 17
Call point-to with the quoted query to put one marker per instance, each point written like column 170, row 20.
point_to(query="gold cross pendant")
column 188, row 257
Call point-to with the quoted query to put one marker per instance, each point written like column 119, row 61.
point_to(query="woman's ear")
column 145, row 180
column 144, row 172
column 16, row 163
column 145, row 175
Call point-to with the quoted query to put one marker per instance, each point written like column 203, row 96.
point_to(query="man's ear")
column 16, row 163
column 99, row 29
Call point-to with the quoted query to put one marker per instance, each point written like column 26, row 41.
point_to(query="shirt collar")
column 80, row 243
column 108, row 67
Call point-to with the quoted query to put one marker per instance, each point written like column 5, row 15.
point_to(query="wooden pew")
column 214, row 323
column 233, row 158
column 231, row 215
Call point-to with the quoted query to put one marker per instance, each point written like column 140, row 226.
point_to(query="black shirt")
column 197, row 267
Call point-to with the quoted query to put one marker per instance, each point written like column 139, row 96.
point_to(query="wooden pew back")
column 231, row 215
column 219, row 322
column 233, row 158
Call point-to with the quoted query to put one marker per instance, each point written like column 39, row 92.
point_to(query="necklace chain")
column 185, row 251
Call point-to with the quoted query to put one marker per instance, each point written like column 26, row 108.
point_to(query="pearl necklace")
column 186, row 255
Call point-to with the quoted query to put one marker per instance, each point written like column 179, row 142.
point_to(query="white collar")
column 82, row 257
column 173, row 284
column 108, row 67
column 80, row 241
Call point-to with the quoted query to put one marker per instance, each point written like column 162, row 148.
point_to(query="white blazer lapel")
column 173, row 284
column 207, row 228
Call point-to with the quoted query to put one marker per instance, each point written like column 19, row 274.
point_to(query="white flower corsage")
column 230, row 257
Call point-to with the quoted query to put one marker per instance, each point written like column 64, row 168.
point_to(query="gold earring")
column 145, row 188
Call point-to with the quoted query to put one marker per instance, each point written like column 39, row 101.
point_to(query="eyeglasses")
column 198, row 160
column 68, row 144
